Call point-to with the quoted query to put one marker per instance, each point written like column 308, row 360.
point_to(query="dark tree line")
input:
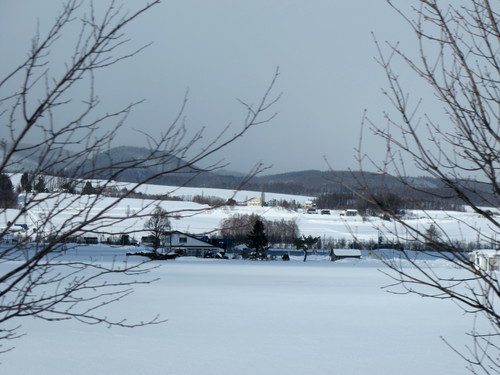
column 382, row 200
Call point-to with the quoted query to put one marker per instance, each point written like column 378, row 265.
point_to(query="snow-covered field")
column 250, row 317
column 197, row 219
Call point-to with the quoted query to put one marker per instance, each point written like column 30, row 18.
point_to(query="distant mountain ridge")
column 306, row 182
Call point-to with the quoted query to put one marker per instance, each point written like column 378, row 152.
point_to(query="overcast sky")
column 221, row 50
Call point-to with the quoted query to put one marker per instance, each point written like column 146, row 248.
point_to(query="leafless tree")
column 279, row 232
column 458, row 60
column 237, row 226
column 282, row 232
column 36, row 278
column 158, row 225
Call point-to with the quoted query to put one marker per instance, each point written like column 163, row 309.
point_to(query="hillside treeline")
column 396, row 202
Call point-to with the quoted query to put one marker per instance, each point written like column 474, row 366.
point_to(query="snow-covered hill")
column 194, row 218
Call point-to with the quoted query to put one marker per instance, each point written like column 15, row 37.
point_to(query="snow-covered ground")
column 250, row 317
column 195, row 218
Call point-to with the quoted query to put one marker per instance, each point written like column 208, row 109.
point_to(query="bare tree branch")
column 37, row 276
column 458, row 59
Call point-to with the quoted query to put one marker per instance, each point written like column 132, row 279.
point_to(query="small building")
column 90, row 240
column 189, row 245
column 487, row 260
column 337, row 254
column 255, row 202
column 351, row 212
column 309, row 204
column 147, row 240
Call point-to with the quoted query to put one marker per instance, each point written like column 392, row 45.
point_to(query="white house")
column 487, row 260
column 255, row 202
column 189, row 245
column 309, row 204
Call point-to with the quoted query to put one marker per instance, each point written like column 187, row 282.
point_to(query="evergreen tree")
column 257, row 239
column 432, row 233
column 432, row 239
column 7, row 195
column 88, row 189
column 68, row 187
column 124, row 240
column 26, row 182
column 40, row 185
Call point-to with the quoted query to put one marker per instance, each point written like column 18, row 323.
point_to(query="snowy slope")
column 198, row 219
